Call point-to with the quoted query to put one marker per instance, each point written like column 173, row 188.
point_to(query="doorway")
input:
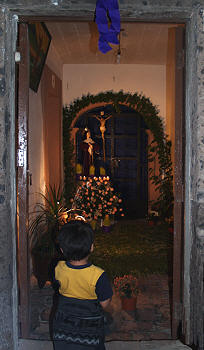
column 126, row 154
column 114, row 134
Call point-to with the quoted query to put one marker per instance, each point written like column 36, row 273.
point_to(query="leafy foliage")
column 126, row 286
column 46, row 220
column 161, row 145
column 164, row 179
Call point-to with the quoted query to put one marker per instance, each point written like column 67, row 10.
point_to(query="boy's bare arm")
column 105, row 303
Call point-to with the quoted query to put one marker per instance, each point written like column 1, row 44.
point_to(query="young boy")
column 84, row 290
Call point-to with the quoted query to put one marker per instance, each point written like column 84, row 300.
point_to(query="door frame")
column 22, row 183
column 24, row 246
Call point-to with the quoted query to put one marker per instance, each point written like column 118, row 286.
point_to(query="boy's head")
column 75, row 239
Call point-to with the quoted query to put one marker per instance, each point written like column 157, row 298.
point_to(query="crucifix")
column 102, row 121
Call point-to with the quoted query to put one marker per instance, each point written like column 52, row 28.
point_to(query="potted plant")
column 170, row 222
column 45, row 221
column 126, row 288
column 153, row 217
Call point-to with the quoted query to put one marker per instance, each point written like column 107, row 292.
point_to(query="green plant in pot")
column 153, row 217
column 45, row 221
column 126, row 288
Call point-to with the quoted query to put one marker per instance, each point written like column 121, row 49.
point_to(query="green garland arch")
column 160, row 145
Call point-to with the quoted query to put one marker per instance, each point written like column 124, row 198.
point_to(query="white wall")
column 80, row 80
column 35, row 146
column 36, row 135
column 53, row 61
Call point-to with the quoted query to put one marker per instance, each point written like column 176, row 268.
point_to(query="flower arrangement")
column 96, row 198
column 126, row 286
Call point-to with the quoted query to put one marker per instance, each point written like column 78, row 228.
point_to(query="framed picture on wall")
column 39, row 42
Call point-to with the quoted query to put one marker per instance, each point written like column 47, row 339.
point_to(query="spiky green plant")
column 46, row 220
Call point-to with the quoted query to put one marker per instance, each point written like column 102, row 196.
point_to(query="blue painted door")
column 126, row 155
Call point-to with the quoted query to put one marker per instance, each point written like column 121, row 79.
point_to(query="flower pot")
column 106, row 224
column 41, row 268
column 106, row 229
column 128, row 304
column 93, row 224
column 151, row 223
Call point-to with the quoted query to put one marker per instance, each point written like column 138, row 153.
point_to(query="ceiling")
column 141, row 43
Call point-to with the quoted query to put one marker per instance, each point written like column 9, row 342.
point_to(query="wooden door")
column 127, row 160
column 22, row 180
column 126, row 155
column 178, row 185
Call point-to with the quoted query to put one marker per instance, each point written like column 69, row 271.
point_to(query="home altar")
column 97, row 199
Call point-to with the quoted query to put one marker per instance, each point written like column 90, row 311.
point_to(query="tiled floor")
column 150, row 320
column 114, row 345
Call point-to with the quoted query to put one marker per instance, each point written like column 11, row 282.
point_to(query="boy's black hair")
column 75, row 238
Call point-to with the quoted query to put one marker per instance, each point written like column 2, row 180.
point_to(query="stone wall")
column 8, row 289
column 170, row 10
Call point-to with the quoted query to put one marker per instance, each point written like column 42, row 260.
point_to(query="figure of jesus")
column 102, row 121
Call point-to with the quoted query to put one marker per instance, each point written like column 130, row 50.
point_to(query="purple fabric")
column 106, row 34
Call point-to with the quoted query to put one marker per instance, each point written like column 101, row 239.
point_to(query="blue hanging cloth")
column 106, row 34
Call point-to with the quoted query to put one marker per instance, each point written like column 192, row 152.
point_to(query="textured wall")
column 197, row 251
column 7, row 191
column 180, row 10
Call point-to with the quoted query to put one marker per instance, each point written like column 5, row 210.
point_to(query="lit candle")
column 102, row 171
column 78, row 168
column 92, row 170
